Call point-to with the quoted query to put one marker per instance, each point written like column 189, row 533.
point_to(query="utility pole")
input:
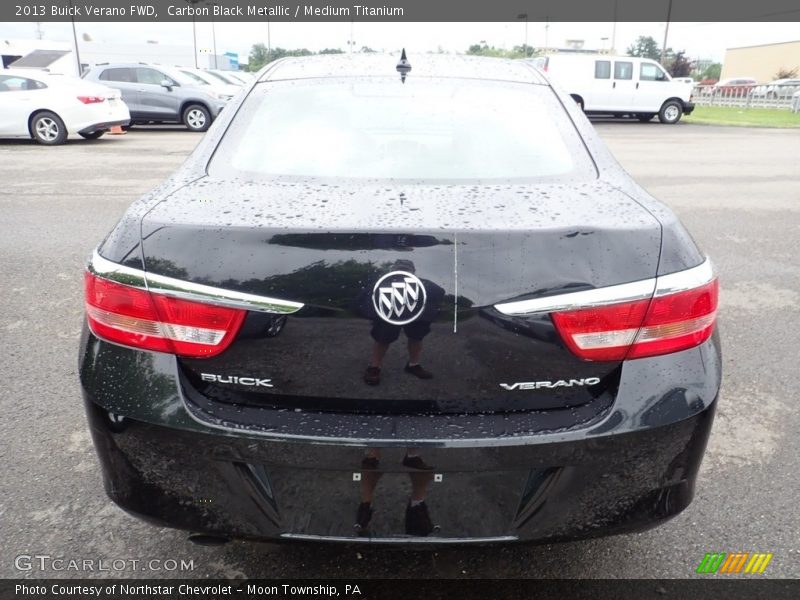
column 614, row 31
column 75, row 40
column 525, row 43
column 666, row 32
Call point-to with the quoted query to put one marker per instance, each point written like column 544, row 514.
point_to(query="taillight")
column 134, row 317
column 91, row 99
column 667, row 323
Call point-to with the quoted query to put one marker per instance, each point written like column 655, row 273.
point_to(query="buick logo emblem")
column 399, row 297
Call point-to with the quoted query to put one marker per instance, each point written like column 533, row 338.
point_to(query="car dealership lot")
column 736, row 189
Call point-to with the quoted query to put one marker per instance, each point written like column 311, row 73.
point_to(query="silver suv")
column 159, row 94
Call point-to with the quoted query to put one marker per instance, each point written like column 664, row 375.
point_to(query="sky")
column 699, row 40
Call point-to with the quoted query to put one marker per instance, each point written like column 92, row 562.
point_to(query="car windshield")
column 193, row 78
column 219, row 77
column 448, row 129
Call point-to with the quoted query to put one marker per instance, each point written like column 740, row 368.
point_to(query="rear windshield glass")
column 448, row 129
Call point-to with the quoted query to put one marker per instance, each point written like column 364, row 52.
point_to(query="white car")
column 49, row 107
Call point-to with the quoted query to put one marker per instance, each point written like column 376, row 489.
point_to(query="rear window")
column 452, row 130
column 121, row 74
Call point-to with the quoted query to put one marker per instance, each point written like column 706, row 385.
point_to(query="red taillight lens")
column 91, row 99
column 136, row 318
column 662, row 325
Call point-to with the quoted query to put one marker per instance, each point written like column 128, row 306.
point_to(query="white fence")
column 759, row 96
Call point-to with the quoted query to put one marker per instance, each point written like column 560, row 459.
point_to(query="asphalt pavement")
column 736, row 189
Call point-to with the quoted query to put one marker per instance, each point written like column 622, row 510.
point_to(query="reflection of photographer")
column 400, row 301
column 417, row 520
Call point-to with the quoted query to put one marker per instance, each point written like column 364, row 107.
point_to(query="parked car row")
column 49, row 107
column 162, row 94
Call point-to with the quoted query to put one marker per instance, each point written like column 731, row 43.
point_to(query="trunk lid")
column 471, row 246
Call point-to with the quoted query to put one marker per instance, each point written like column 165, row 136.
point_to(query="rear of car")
column 464, row 217
column 49, row 107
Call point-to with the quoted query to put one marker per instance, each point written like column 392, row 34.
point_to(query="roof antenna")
column 403, row 67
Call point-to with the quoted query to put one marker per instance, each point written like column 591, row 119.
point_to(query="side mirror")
column 167, row 84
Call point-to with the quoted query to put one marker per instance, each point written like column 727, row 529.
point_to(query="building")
column 58, row 57
column 761, row 62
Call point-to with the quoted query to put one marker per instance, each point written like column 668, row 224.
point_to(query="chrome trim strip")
column 186, row 290
column 685, row 280
column 626, row 292
column 399, row 540
column 104, row 268
column 614, row 294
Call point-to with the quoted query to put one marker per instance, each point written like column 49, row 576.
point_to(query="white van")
column 619, row 85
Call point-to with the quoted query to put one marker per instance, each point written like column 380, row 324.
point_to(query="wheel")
column 645, row 117
column 670, row 112
column 93, row 135
column 47, row 128
column 196, row 117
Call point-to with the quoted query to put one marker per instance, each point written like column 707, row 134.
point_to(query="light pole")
column 194, row 3
column 214, row 37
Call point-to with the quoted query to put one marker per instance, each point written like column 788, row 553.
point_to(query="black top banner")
column 399, row 10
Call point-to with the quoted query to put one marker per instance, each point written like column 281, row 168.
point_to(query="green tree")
column 260, row 55
column 645, row 47
column 680, row 65
column 484, row 49
column 713, row 71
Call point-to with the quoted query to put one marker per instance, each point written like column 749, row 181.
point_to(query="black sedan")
column 400, row 302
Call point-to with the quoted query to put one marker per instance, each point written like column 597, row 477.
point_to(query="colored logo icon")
column 734, row 562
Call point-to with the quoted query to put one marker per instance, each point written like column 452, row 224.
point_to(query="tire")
column 645, row 117
column 671, row 112
column 196, row 117
column 48, row 129
column 94, row 135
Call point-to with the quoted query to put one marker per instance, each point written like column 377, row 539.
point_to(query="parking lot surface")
column 736, row 189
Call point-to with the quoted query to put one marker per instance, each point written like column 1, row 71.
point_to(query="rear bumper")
column 103, row 126
column 630, row 471
column 235, row 487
